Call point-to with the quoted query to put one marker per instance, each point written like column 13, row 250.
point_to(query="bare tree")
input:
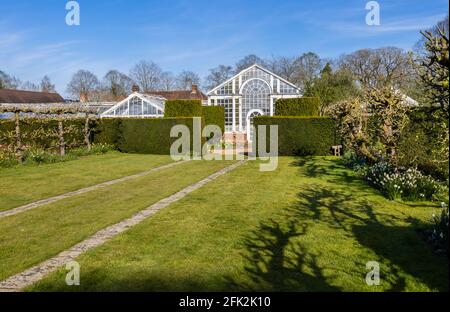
column 168, row 81
column 117, row 84
column 309, row 66
column 83, row 83
column 248, row 61
column 379, row 67
column 186, row 79
column 9, row 82
column 218, row 75
column 29, row 86
column 147, row 75
column 4, row 78
column 286, row 67
column 46, row 85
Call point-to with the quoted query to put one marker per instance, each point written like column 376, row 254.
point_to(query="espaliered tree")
column 62, row 112
column 17, row 110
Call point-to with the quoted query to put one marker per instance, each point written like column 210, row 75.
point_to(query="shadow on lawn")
column 277, row 260
column 275, row 263
column 277, row 255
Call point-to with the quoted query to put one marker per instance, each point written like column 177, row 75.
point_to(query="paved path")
column 50, row 200
column 36, row 273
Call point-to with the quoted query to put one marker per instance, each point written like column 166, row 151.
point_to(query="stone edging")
column 50, row 200
column 28, row 277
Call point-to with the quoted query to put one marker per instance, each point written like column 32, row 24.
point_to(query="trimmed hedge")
column 305, row 106
column 28, row 125
column 144, row 136
column 183, row 108
column 214, row 115
column 301, row 136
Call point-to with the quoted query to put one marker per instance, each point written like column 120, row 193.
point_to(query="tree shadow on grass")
column 329, row 169
column 406, row 252
column 274, row 263
column 276, row 259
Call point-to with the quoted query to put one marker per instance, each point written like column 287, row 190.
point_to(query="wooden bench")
column 337, row 150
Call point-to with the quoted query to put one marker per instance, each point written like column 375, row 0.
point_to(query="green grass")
column 31, row 237
column 25, row 184
column 309, row 226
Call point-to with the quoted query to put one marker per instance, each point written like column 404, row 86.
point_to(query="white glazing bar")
column 272, row 102
column 240, row 115
column 234, row 113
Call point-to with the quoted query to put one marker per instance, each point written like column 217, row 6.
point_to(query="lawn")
column 311, row 225
column 25, row 184
column 31, row 237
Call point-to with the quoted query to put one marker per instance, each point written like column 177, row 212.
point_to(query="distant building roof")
column 28, row 97
column 193, row 94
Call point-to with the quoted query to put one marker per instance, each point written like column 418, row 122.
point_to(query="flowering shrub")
column 34, row 155
column 397, row 184
column 101, row 148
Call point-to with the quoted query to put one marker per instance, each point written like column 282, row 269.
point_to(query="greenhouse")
column 138, row 105
column 251, row 93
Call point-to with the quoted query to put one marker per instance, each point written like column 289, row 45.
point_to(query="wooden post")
column 87, row 132
column 62, row 143
column 18, row 136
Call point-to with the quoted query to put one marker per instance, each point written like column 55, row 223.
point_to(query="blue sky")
column 194, row 35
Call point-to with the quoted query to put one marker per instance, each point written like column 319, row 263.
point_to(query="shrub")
column 101, row 148
column 36, row 155
column 301, row 136
column 108, row 131
column 183, row 108
column 408, row 184
column 7, row 158
column 214, row 115
column 305, row 106
column 438, row 234
column 42, row 132
column 351, row 160
column 146, row 136
column 96, row 149
column 421, row 145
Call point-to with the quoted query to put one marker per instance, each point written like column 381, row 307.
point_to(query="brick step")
column 235, row 137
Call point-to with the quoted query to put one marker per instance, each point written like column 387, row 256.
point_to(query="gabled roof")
column 151, row 99
column 246, row 70
column 28, row 97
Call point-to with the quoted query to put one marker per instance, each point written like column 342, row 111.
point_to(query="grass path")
column 36, row 273
column 31, row 237
column 50, row 200
column 26, row 184
column 309, row 226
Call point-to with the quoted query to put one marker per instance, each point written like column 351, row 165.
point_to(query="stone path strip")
column 28, row 277
column 50, row 200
